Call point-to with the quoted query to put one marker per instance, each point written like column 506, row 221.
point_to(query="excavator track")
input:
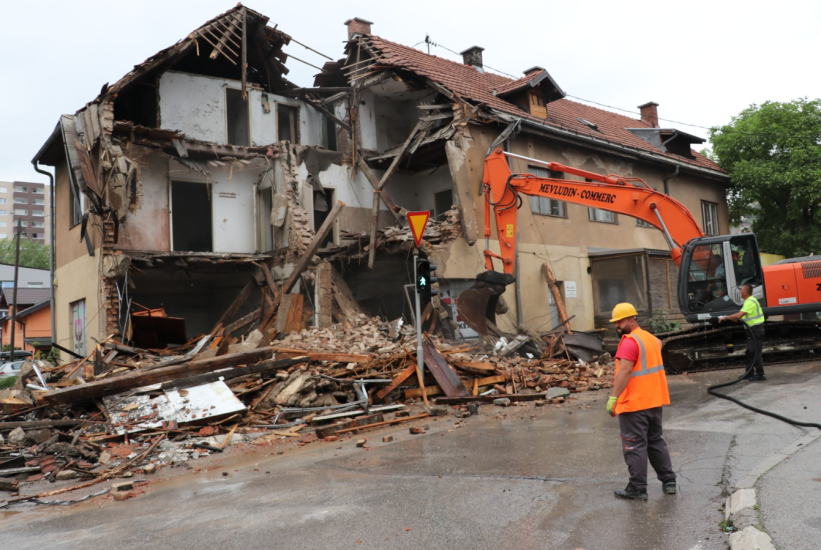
column 715, row 348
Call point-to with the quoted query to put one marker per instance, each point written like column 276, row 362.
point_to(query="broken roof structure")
column 205, row 170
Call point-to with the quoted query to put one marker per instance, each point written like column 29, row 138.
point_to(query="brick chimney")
column 533, row 69
column 357, row 27
column 650, row 114
column 473, row 56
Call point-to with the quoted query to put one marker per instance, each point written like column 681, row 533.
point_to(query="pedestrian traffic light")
column 425, row 278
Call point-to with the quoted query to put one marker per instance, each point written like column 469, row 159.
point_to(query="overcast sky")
column 702, row 62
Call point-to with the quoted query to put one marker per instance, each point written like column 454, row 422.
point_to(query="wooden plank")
column 422, row 392
column 557, row 296
column 234, row 307
column 8, row 486
column 360, row 421
column 478, row 382
column 136, row 379
column 308, row 255
column 482, row 369
column 227, row 374
column 294, row 321
column 445, row 376
column 282, row 313
column 343, row 296
column 37, row 424
column 385, row 423
column 401, row 377
column 374, row 181
column 488, row 398
column 242, row 321
column 325, row 356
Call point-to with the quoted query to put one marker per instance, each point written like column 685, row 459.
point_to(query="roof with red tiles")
column 475, row 86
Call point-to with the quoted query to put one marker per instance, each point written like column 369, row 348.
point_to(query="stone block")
column 751, row 538
column 501, row 402
column 553, row 393
column 741, row 499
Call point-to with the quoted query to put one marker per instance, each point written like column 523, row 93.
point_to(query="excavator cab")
column 711, row 273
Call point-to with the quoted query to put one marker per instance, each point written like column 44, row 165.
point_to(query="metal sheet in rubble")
column 149, row 409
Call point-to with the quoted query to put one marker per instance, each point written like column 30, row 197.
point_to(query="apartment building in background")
column 28, row 203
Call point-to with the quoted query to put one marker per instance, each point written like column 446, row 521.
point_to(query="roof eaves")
column 603, row 142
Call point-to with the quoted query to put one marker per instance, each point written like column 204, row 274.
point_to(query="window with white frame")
column 21, row 212
column 20, row 189
column 4, row 212
column 4, row 224
column 3, row 201
column 38, row 202
column 599, row 215
column 37, row 213
column 37, row 190
column 642, row 223
column 24, row 223
column 33, row 224
column 709, row 216
column 4, row 189
column 544, row 205
column 4, row 236
column 21, row 201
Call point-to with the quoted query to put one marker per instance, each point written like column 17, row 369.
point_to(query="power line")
column 430, row 42
column 716, row 128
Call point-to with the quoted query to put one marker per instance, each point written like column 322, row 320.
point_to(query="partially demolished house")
column 204, row 174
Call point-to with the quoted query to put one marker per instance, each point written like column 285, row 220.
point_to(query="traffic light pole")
column 420, row 360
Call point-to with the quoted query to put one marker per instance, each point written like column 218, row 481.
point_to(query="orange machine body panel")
column 792, row 284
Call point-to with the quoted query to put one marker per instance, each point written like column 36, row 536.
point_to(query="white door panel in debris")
column 233, row 207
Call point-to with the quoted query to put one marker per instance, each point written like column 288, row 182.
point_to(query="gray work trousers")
column 756, row 347
column 642, row 439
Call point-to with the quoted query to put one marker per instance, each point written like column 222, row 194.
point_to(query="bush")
column 8, row 382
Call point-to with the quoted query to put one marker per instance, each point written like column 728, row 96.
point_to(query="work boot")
column 669, row 488
column 631, row 493
column 758, row 378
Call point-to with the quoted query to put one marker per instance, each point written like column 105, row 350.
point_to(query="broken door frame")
column 171, row 211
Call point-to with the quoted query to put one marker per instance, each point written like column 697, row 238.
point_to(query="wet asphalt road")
column 501, row 480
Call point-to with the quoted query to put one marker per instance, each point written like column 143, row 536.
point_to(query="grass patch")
column 8, row 382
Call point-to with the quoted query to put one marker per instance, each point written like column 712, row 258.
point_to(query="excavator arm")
column 503, row 189
column 629, row 196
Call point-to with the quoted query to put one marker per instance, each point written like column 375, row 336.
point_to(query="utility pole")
column 14, row 291
column 420, row 360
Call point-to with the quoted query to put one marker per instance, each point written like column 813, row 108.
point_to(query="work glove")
column 611, row 403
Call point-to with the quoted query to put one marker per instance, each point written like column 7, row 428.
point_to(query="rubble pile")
column 261, row 377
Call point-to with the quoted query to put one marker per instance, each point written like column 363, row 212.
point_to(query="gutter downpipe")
column 51, row 240
column 668, row 178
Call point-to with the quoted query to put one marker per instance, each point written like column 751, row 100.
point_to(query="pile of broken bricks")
column 169, row 409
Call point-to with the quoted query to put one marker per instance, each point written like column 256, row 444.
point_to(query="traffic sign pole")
column 420, row 361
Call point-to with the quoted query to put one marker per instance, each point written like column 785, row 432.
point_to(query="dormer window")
column 537, row 104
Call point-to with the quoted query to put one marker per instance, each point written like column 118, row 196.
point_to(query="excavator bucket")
column 477, row 305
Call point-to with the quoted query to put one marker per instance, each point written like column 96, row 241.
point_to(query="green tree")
column 32, row 254
column 773, row 155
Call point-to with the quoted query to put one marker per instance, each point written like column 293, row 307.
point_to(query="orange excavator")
column 712, row 269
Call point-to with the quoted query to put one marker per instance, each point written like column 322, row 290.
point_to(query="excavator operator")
column 639, row 392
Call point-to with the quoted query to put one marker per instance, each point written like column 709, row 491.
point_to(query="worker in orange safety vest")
column 639, row 392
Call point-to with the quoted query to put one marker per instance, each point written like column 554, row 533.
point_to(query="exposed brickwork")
column 111, row 299
column 358, row 26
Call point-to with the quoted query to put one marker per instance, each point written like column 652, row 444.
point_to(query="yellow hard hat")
column 623, row 311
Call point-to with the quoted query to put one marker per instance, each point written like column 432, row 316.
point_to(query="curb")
column 740, row 507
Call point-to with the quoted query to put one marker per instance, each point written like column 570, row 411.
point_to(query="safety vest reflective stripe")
column 644, row 371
